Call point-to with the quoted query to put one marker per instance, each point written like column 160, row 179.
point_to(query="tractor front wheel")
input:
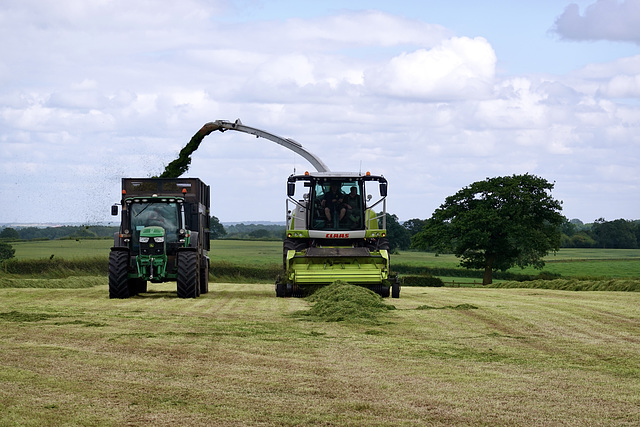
column 118, row 281
column 188, row 280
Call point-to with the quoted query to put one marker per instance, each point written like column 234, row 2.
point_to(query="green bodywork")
column 152, row 260
column 323, row 266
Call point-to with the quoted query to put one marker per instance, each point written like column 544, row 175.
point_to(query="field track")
column 239, row 356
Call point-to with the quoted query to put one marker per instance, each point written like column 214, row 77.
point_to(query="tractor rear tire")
column 118, row 269
column 188, row 280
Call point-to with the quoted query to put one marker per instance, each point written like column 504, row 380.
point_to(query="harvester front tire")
column 281, row 289
column 118, row 281
column 188, row 280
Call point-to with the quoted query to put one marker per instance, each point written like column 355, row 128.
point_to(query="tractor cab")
column 154, row 213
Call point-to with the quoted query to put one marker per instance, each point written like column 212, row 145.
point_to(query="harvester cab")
column 163, row 236
column 334, row 233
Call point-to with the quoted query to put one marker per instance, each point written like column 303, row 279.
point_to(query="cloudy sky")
column 434, row 95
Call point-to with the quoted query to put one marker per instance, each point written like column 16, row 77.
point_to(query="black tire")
column 281, row 289
column 292, row 244
column 395, row 289
column 383, row 291
column 118, row 268
column 287, row 245
column 141, row 286
column 204, row 276
column 383, row 243
column 188, row 280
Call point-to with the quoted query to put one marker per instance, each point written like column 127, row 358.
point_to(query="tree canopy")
column 496, row 223
column 398, row 235
column 6, row 251
column 9, row 233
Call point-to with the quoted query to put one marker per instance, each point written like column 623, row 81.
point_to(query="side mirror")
column 383, row 189
column 291, row 189
column 114, row 210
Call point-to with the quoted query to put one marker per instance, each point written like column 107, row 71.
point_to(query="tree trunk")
column 487, row 279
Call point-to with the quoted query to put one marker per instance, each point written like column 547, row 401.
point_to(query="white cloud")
column 458, row 68
column 603, row 20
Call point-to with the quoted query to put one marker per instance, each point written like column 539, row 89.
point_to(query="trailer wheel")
column 188, row 283
column 204, row 276
column 118, row 281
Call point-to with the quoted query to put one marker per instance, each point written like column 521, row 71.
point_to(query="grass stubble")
column 240, row 356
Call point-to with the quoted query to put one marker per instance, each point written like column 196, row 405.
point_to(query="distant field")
column 616, row 263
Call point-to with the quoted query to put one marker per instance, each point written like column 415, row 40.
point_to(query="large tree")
column 496, row 223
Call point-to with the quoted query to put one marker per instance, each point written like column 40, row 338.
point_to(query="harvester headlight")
column 159, row 239
column 144, row 240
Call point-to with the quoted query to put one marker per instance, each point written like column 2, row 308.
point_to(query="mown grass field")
column 240, row 356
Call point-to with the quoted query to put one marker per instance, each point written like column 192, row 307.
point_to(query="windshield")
column 163, row 215
column 337, row 206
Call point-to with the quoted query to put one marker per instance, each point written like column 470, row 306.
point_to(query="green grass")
column 266, row 256
column 67, row 249
column 239, row 356
column 621, row 263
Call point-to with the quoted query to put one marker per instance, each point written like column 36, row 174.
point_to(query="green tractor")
column 163, row 236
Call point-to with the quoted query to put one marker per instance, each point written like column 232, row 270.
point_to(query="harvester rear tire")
column 395, row 289
column 383, row 291
column 118, row 281
column 188, row 280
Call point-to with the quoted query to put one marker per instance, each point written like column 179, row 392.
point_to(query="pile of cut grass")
column 342, row 302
